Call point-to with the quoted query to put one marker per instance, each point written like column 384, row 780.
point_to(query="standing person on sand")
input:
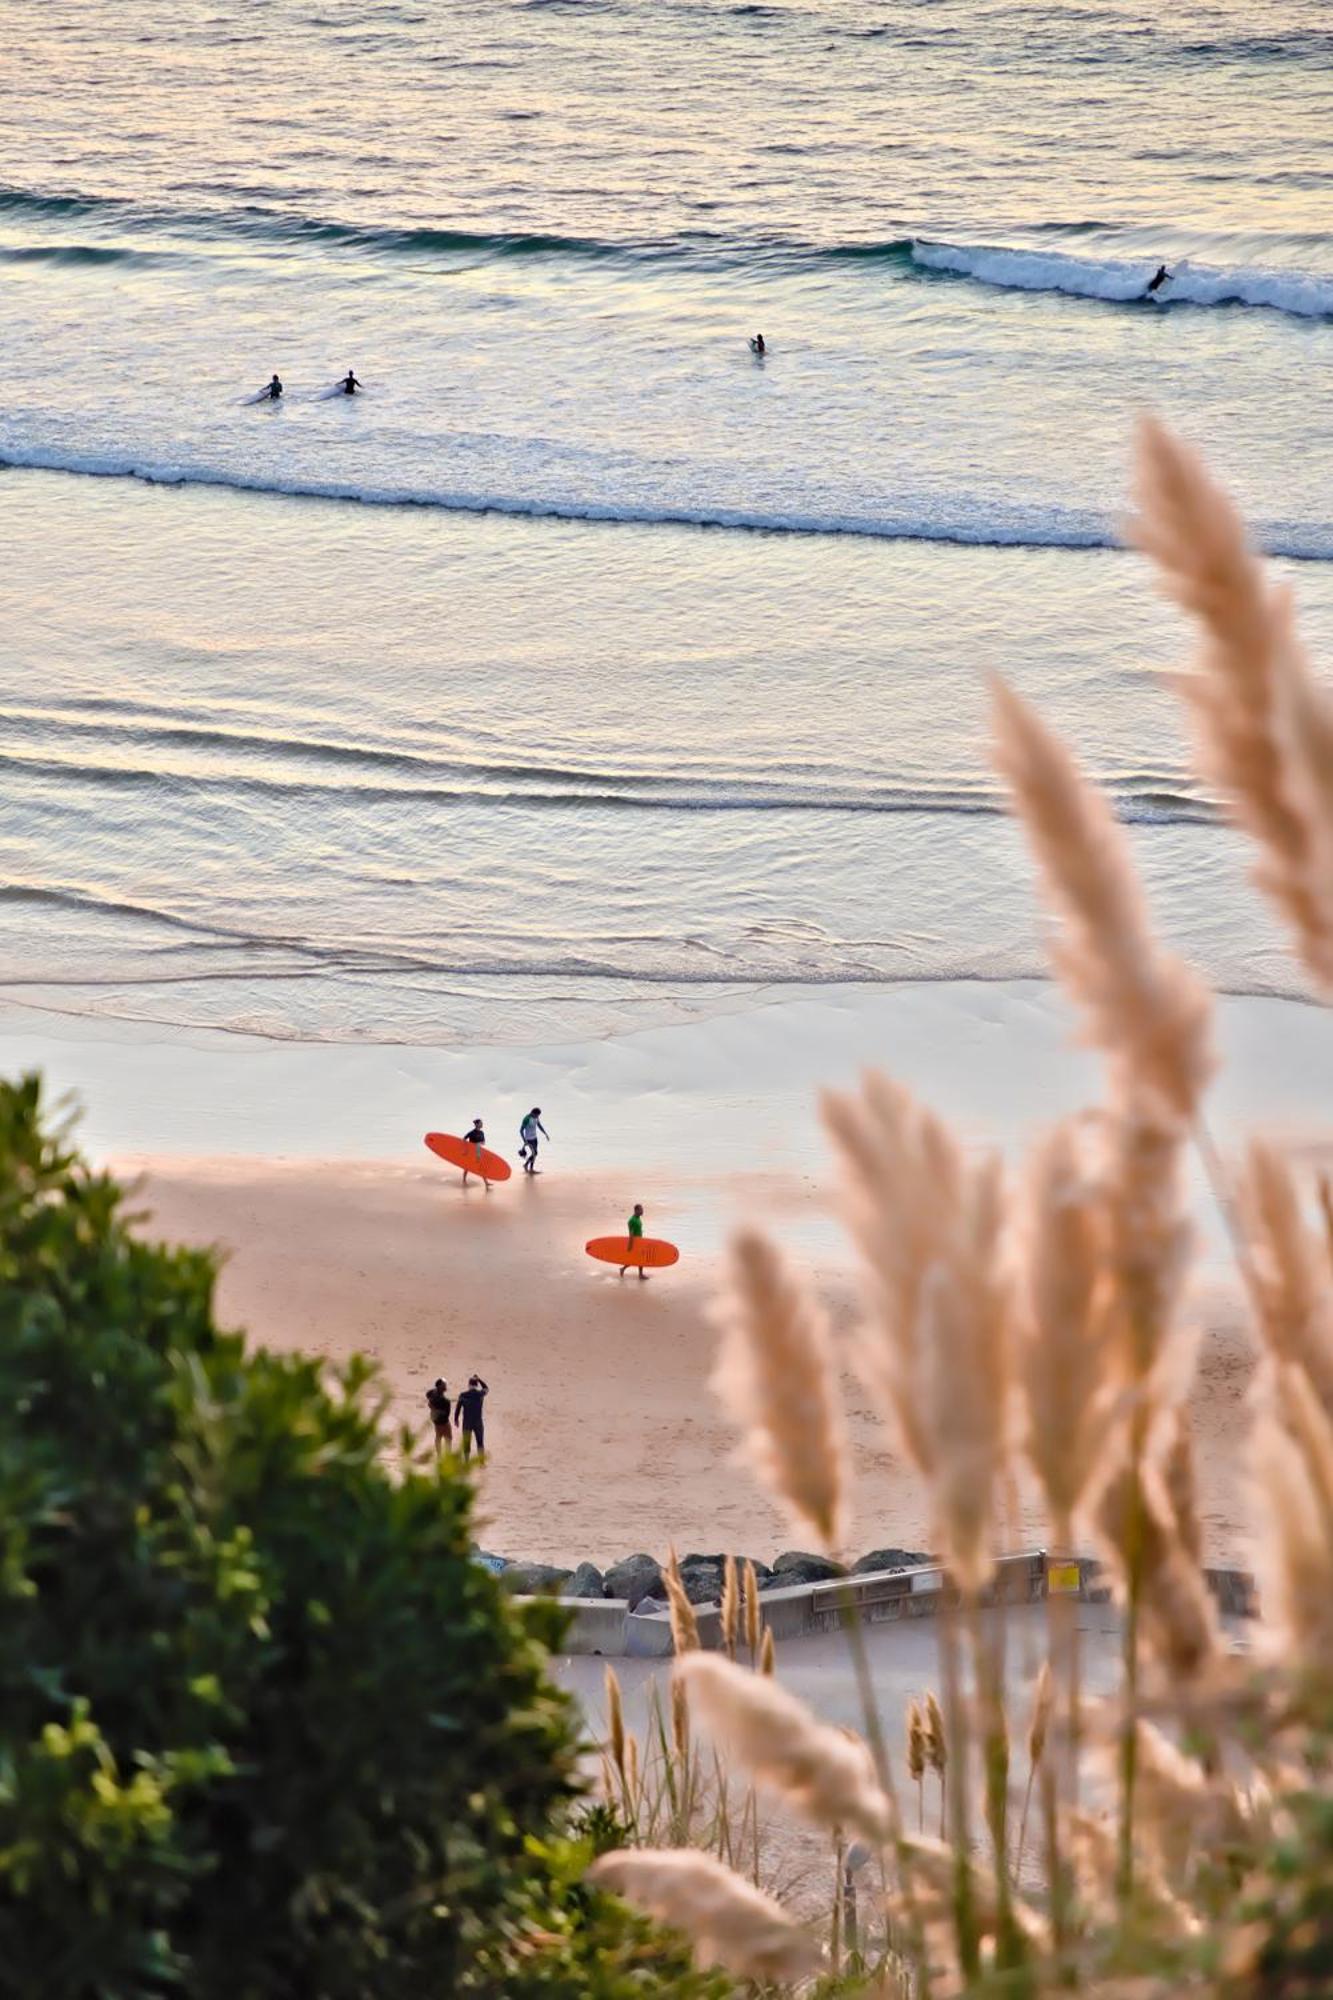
column 635, row 1228
column 471, row 1415
column 477, row 1138
column 437, row 1400
column 527, row 1133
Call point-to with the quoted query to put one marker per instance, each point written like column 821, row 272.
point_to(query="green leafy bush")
column 265, row 1729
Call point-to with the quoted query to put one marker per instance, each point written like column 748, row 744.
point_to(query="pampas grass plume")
column 768, row 1663
column 1289, row 1277
column 1263, row 725
column 1145, row 1010
column 777, row 1377
column 821, row 1773
column 728, row 1920
column 1043, row 1703
column 937, row 1742
column 731, row 1605
column 752, row 1610
column 684, row 1624
column 916, row 1743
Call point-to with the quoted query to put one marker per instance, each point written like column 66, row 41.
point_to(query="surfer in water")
column 758, row 345
column 349, row 384
column 272, row 394
column 635, row 1228
column 1155, row 284
column 476, row 1138
column 527, row 1133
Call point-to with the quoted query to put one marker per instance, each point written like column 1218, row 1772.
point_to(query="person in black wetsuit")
column 1155, row 284
column 437, row 1401
column 273, row 393
column 758, row 344
column 476, row 1137
column 471, row 1414
column 349, row 384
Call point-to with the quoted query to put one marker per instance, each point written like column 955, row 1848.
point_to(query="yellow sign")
column 1062, row 1578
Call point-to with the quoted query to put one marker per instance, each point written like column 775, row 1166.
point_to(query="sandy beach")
column 604, row 1436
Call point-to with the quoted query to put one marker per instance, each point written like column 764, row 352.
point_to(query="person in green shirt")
column 635, row 1228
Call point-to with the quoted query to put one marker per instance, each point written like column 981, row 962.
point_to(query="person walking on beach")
column 527, row 1133
column 476, row 1138
column 471, row 1415
column 635, row 1228
column 437, row 1401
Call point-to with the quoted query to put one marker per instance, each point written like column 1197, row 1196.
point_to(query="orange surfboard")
column 479, row 1160
column 638, row 1252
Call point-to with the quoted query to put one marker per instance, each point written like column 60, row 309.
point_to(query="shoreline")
column 342, row 1234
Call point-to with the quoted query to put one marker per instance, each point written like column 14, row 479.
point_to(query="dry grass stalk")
column 916, row 1742
column 1145, row 1010
column 1039, row 1722
column 680, row 1723
column 1064, row 1326
column 731, row 1606
column 615, row 1722
column 1290, row 1276
column 1291, row 1452
column 1152, row 1350
column 752, row 1611
column 964, row 1345
column 1177, row 1801
column 1181, row 1486
column 933, row 1866
column 1137, row 1528
column 1091, row 1843
column 768, row 1661
column 777, row 1376
column 937, row 1743
column 821, row 1773
column 1326, row 1211
column 903, row 1179
column 935, row 1354
column 1263, row 725
column 728, row 1920
column 684, row 1624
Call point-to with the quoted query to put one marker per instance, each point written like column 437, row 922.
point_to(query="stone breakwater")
column 637, row 1579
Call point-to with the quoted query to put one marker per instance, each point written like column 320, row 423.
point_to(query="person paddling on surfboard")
column 1155, row 284
column 349, row 384
column 635, row 1228
column 527, row 1133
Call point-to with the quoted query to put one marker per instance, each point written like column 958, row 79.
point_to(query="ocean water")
column 588, row 672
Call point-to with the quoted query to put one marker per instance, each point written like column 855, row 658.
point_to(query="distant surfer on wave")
column 527, row 1133
column 758, row 345
column 349, row 384
column 635, row 1228
column 476, row 1138
column 1155, row 284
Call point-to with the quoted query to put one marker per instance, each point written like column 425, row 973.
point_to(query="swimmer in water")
column 349, row 384
column 273, row 393
column 1155, row 284
column 758, row 344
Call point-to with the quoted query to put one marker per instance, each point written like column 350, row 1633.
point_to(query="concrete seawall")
column 608, row 1627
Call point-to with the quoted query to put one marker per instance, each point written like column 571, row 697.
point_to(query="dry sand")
column 604, row 1436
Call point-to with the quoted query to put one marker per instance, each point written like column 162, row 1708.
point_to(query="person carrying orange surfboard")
column 476, row 1138
column 635, row 1228
column 527, row 1133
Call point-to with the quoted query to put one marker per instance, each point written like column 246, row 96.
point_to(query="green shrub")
column 265, row 1729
